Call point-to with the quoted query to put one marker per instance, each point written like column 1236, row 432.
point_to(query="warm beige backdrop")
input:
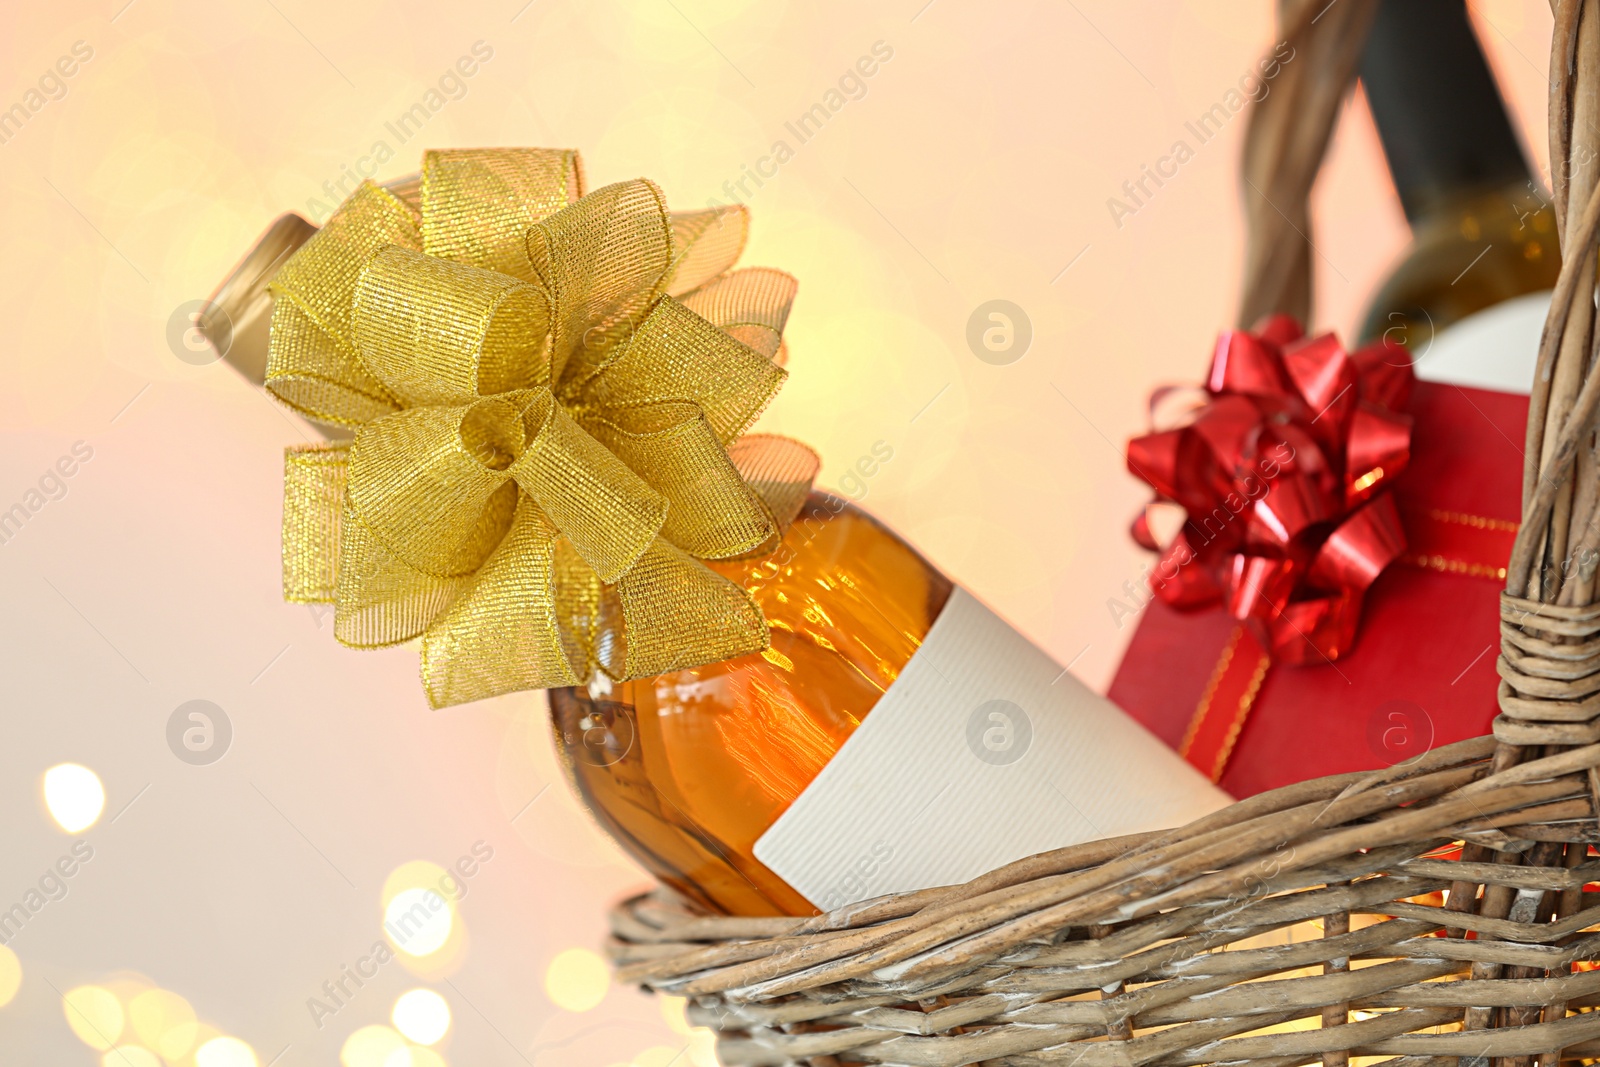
column 974, row 163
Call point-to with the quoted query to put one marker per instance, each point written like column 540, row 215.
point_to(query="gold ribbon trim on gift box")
column 550, row 393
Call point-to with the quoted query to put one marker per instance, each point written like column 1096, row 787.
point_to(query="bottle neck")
column 1439, row 114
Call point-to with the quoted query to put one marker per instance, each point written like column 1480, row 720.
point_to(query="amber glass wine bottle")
column 691, row 771
column 1483, row 230
column 687, row 770
column 896, row 735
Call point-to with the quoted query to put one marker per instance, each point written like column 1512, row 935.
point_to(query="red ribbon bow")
column 1281, row 471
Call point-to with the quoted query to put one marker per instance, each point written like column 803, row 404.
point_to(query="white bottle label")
column 1495, row 348
column 982, row 752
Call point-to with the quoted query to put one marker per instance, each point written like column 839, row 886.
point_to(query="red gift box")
column 1420, row 671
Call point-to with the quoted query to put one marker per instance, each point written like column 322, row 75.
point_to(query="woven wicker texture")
column 1428, row 912
column 1173, row 948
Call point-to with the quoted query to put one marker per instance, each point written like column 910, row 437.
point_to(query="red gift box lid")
column 1422, row 669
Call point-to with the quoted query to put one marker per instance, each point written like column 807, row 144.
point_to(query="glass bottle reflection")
column 687, row 770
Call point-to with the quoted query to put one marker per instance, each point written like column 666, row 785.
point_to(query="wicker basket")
column 1432, row 910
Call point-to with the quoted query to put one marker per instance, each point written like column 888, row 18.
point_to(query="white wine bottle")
column 897, row 735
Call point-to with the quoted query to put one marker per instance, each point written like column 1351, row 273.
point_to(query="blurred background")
column 221, row 902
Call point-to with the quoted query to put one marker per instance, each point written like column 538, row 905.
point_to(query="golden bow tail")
column 534, row 614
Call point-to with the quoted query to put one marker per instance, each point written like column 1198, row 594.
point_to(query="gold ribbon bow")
column 550, row 393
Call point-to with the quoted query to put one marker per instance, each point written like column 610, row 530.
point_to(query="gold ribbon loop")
column 588, row 615
column 382, row 600
column 311, row 373
column 430, row 499
column 779, row 470
column 750, row 305
column 677, row 355
column 438, row 332
column 477, row 204
column 679, row 613
column 321, row 276
column 610, row 514
column 501, row 634
column 705, row 244
column 314, row 478
column 713, row 514
column 602, row 262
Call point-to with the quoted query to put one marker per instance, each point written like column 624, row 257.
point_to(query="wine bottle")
column 896, row 735
column 1483, row 230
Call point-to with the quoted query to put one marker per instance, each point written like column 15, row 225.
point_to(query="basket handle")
column 1284, row 145
column 1550, row 623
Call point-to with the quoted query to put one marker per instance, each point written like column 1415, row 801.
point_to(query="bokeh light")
column 422, row 1015
column 421, row 920
column 674, row 1013
column 418, row 921
column 10, row 975
column 74, row 795
column 165, row 1022
column 225, row 1052
column 702, row 1047
column 375, row 1046
column 577, row 980
column 422, row 1056
column 94, row 1014
column 130, row 1056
